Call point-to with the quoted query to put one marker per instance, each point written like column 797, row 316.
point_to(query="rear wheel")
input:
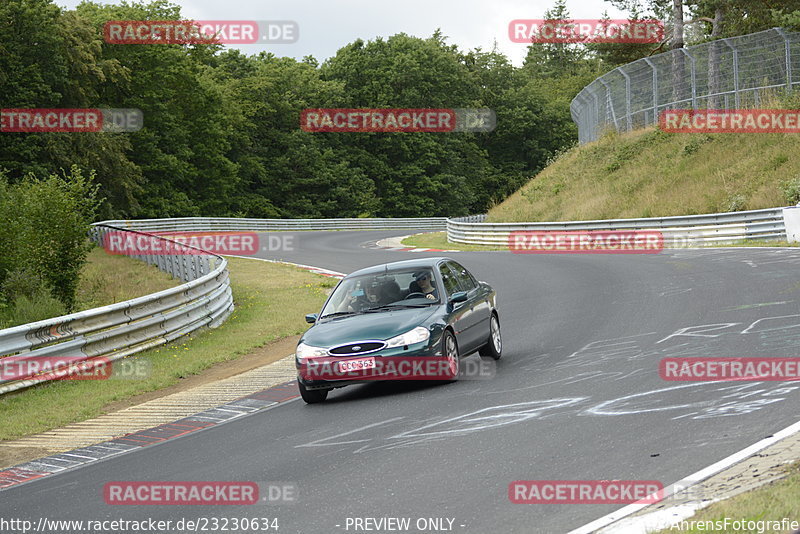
column 450, row 352
column 312, row 396
column 494, row 347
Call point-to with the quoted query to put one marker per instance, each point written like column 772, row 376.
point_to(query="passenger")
column 390, row 292
column 369, row 299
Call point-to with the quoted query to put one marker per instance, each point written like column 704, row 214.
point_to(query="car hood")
column 380, row 325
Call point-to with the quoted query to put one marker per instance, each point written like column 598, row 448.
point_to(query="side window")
column 465, row 280
column 449, row 279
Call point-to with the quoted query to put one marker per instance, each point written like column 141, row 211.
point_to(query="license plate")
column 356, row 365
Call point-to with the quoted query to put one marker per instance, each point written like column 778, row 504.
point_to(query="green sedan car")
column 407, row 320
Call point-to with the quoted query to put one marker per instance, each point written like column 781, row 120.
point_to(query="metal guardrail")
column 120, row 330
column 733, row 73
column 677, row 231
column 211, row 224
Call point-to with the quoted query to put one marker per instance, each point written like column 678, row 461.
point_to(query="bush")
column 28, row 309
column 735, row 202
column 791, row 190
column 43, row 238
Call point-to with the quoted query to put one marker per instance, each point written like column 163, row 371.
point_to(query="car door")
column 460, row 312
column 478, row 302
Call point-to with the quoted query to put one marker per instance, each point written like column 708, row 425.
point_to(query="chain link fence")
column 733, row 73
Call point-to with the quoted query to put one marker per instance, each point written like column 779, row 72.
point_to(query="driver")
column 423, row 280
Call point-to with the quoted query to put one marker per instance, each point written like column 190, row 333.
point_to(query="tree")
column 550, row 60
column 182, row 148
column 410, row 171
column 53, row 59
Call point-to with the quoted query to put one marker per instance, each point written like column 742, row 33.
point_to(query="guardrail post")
column 609, row 104
column 655, row 91
column 628, row 118
column 596, row 114
column 787, row 51
column 694, row 77
column 735, row 72
column 171, row 259
column 579, row 116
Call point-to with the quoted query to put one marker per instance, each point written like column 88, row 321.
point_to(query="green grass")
column 270, row 300
column 771, row 502
column 650, row 173
column 439, row 240
column 109, row 278
column 104, row 279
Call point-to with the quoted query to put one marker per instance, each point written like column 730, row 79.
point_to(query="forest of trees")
column 222, row 136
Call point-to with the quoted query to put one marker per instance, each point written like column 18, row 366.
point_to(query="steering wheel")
column 415, row 295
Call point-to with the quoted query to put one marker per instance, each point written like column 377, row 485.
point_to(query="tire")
column 494, row 347
column 450, row 351
column 312, row 396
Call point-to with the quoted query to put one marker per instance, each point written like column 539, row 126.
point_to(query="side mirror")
column 460, row 296
column 311, row 318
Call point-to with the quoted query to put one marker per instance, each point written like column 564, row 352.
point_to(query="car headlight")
column 416, row 335
column 304, row 351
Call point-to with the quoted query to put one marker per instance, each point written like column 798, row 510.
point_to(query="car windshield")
column 389, row 290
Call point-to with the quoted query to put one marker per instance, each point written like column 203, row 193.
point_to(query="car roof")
column 405, row 264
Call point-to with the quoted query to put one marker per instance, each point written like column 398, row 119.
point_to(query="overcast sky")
column 327, row 25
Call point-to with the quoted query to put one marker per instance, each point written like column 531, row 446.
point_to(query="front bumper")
column 400, row 363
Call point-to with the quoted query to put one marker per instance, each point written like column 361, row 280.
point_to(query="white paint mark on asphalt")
column 685, row 415
column 671, row 292
column 759, row 305
column 736, row 408
column 689, row 331
column 630, row 374
column 711, row 405
column 754, row 323
column 606, row 408
column 603, row 343
column 492, row 417
column 319, row 442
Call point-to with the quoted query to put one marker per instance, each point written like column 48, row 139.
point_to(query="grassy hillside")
column 104, row 279
column 649, row 173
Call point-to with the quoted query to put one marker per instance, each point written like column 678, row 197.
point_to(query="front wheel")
column 494, row 347
column 450, row 352
column 312, row 396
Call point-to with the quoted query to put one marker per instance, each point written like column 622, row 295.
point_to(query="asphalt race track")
column 576, row 396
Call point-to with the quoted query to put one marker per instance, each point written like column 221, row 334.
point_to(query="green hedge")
column 43, row 243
